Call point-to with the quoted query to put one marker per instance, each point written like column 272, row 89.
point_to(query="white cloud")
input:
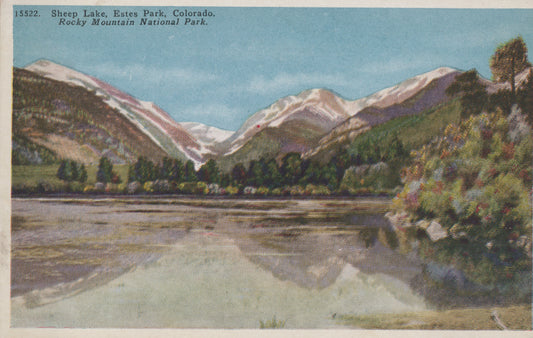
column 153, row 75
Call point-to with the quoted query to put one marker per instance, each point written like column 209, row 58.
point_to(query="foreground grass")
column 513, row 317
column 272, row 324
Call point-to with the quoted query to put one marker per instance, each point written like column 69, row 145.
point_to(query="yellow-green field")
column 31, row 175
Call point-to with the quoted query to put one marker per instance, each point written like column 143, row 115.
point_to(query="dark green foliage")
column 105, row 172
column 170, row 169
column 176, row 171
column 209, row 172
column 256, row 173
column 328, row 176
column 238, row 174
column 342, row 161
column 509, row 59
column 371, row 148
column 291, row 169
column 317, row 174
column 143, row 171
column 312, row 173
column 502, row 99
column 74, row 170
column 25, row 152
column 82, row 174
column 189, row 173
column 165, row 169
column 272, row 174
column 70, row 170
column 472, row 93
column 62, row 172
column 225, row 180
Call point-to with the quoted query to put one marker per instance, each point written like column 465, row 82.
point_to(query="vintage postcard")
column 223, row 166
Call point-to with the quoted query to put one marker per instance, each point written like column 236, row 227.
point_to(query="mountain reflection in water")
column 203, row 263
column 313, row 257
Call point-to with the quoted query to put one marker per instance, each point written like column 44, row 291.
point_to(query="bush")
column 476, row 181
column 231, row 190
column 196, row 188
column 44, row 187
column 262, row 191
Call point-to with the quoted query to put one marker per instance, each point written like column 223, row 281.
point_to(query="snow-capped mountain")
column 400, row 92
column 324, row 110
column 407, row 98
column 206, row 135
column 303, row 123
column 148, row 117
column 317, row 107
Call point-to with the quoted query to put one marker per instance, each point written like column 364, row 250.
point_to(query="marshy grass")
column 272, row 323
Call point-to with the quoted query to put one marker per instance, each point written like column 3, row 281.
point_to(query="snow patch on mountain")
column 327, row 109
column 206, row 135
column 148, row 117
column 399, row 92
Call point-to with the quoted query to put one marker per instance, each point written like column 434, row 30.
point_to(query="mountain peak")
column 401, row 91
column 205, row 134
column 150, row 119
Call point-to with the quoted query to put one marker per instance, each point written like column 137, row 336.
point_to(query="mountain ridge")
column 303, row 122
column 148, row 117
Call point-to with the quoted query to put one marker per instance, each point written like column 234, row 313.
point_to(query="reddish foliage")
column 508, row 150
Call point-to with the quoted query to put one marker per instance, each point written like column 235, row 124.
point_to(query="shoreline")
column 199, row 197
column 514, row 317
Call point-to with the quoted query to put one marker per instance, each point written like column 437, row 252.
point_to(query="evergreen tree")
column 273, row 177
column 238, row 174
column 61, row 170
column 509, row 59
column 82, row 177
column 165, row 170
column 225, row 180
column 291, row 169
column 73, row 171
column 189, row 173
column 342, row 162
column 328, row 176
column 256, row 175
column 209, row 172
column 131, row 173
column 176, row 172
column 311, row 174
column 472, row 93
column 105, row 170
column 144, row 170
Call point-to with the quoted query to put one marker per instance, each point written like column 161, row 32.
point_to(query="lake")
column 176, row 262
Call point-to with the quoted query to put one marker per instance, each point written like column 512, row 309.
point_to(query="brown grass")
column 516, row 317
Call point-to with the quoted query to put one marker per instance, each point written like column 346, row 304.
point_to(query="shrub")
column 231, row 190
column 479, row 192
column 263, row 191
column 148, row 186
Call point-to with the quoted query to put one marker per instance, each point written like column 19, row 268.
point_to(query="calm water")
column 193, row 263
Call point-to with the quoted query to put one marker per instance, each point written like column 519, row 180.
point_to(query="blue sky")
column 247, row 58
